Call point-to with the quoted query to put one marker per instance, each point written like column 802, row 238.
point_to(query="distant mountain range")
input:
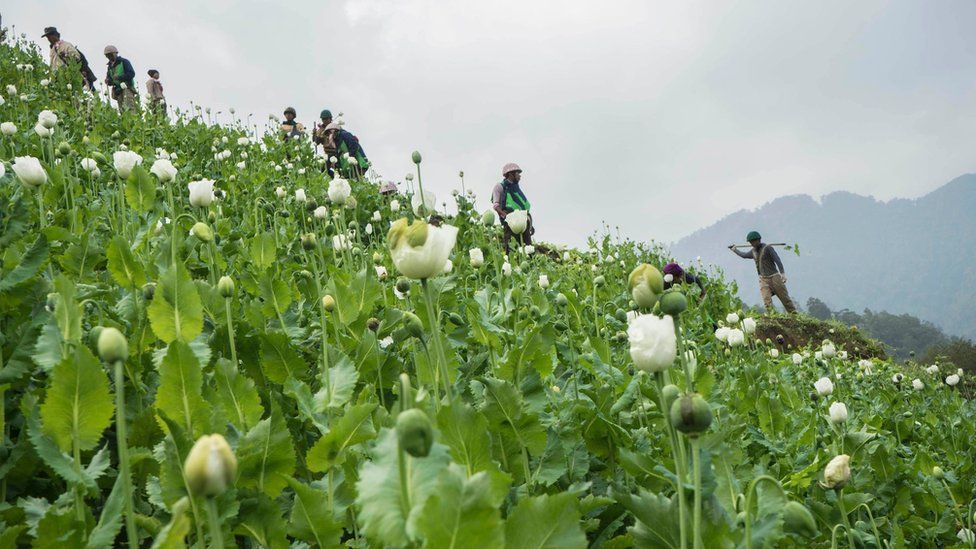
column 913, row 256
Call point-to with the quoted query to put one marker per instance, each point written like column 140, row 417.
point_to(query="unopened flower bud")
column 210, row 467
column 112, row 345
column 413, row 325
column 202, row 231
column 837, row 472
column 415, row 432
column 673, row 303
column 416, row 157
column 225, row 286
column 328, row 303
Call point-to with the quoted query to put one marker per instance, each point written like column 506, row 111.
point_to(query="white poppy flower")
column 321, row 212
column 201, row 192
column 824, row 386
column 8, row 128
column 653, row 346
column 300, row 195
column 29, row 170
column 423, row 206
column 477, row 257
column 164, row 170
column 47, row 119
column 517, row 221
column 339, row 191
column 124, row 162
column 838, row 412
column 420, row 250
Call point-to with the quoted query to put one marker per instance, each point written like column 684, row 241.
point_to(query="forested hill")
column 904, row 256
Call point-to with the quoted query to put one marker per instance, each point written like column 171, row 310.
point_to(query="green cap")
column 326, row 113
column 753, row 235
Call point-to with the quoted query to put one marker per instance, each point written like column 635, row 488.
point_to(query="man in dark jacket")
column 680, row 276
column 772, row 275
column 122, row 79
column 347, row 150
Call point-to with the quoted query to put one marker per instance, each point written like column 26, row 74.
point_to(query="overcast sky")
column 659, row 117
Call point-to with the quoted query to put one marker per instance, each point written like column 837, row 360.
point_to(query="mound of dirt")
column 800, row 331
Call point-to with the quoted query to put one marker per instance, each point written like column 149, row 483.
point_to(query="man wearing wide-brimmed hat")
column 64, row 53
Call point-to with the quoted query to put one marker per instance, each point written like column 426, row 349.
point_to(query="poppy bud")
column 670, row 393
column 691, row 414
column 202, row 231
column 308, row 241
column 562, row 300
column 373, row 324
column 328, row 303
column 415, row 432
column 226, row 286
column 413, row 325
column 403, row 285
column 416, row 157
column 112, row 345
column 798, row 520
column 148, row 291
column 210, row 467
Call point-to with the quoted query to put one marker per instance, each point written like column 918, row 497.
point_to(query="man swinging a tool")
column 772, row 276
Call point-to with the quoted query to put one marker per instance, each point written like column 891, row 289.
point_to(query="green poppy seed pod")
column 148, row 291
column 403, row 285
column 620, row 315
column 64, row 148
column 356, row 250
column 455, row 319
column 328, row 303
column 416, row 157
column 620, row 337
column 798, row 520
column 353, row 224
column 373, row 324
column 226, row 286
column 210, row 467
column 561, row 326
column 112, row 345
column 599, row 281
column 413, row 325
column 202, row 231
column 561, row 299
column 308, row 241
column 415, row 432
column 310, row 205
column 377, row 258
column 937, row 472
column 691, row 414
column 670, row 393
column 212, row 216
column 673, row 303
column 488, row 218
column 99, row 157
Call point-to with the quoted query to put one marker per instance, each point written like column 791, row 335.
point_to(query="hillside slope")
column 913, row 256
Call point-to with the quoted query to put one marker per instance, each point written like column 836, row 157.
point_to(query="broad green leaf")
column 260, row 519
column 388, row 515
column 53, row 457
column 60, row 529
column 276, row 294
column 173, row 535
column 504, row 408
column 179, row 394
column 263, row 251
column 8, row 537
column 545, row 521
column 125, row 269
column 47, row 348
column 465, row 431
column 66, row 309
column 534, row 351
column 460, row 514
column 28, row 267
column 357, row 298
column 266, row 456
column 311, row 518
column 78, row 406
column 237, row 395
column 279, row 359
column 342, row 380
column 354, row 427
column 305, row 403
column 176, row 312
column 140, row 190
column 110, row 522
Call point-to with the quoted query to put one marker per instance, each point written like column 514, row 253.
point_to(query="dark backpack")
column 86, row 73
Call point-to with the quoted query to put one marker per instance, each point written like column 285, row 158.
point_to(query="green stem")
column 678, row 457
column 435, row 334
column 216, row 537
column 230, row 331
column 132, row 535
column 749, row 495
column 696, row 465
column 843, row 516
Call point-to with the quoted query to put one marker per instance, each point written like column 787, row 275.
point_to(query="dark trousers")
column 524, row 239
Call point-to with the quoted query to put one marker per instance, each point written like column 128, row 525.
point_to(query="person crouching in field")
column 680, row 276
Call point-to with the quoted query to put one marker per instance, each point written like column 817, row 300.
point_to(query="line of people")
column 119, row 75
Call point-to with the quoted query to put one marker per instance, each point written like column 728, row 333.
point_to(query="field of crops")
column 208, row 342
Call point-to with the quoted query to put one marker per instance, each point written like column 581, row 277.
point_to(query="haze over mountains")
column 915, row 256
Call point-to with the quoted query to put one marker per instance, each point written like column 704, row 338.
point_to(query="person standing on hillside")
column 508, row 197
column 318, row 136
column 122, row 79
column 772, row 275
column 154, row 91
column 65, row 53
column 291, row 128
